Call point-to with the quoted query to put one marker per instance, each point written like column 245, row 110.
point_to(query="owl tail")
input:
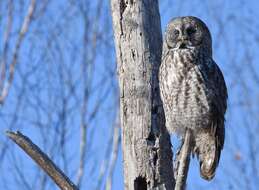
column 207, row 151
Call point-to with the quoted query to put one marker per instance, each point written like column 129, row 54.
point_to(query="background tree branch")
column 24, row 28
column 42, row 160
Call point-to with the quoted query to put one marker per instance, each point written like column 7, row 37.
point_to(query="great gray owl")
column 193, row 90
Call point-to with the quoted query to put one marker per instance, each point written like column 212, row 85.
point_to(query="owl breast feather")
column 184, row 93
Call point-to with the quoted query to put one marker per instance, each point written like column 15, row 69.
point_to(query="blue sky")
column 52, row 56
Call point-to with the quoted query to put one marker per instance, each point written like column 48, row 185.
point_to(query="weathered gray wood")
column 147, row 153
column 184, row 160
column 42, row 160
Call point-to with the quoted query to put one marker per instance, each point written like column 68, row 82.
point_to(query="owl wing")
column 217, row 96
column 219, row 103
column 210, row 141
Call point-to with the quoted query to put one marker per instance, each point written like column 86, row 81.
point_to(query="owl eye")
column 190, row 31
column 176, row 32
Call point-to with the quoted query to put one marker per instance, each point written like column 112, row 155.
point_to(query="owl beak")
column 182, row 45
column 184, row 38
column 183, row 42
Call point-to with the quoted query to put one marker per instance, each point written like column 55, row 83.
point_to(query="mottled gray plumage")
column 193, row 89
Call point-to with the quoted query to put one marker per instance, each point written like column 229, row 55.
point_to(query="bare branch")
column 183, row 162
column 6, row 44
column 24, row 29
column 114, row 155
column 42, row 160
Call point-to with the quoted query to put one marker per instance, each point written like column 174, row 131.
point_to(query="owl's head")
column 188, row 33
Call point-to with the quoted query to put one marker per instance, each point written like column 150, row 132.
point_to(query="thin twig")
column 42, row 160
column 184, row 162
column 114, row 155
column 7, row 34
column 23, row 31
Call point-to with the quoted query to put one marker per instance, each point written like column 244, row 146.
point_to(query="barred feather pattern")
column 194, row 96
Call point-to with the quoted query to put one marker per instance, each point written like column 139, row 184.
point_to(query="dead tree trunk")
column 146, row 145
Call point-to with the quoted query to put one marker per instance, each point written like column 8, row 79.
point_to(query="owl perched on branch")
column 193, row 90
